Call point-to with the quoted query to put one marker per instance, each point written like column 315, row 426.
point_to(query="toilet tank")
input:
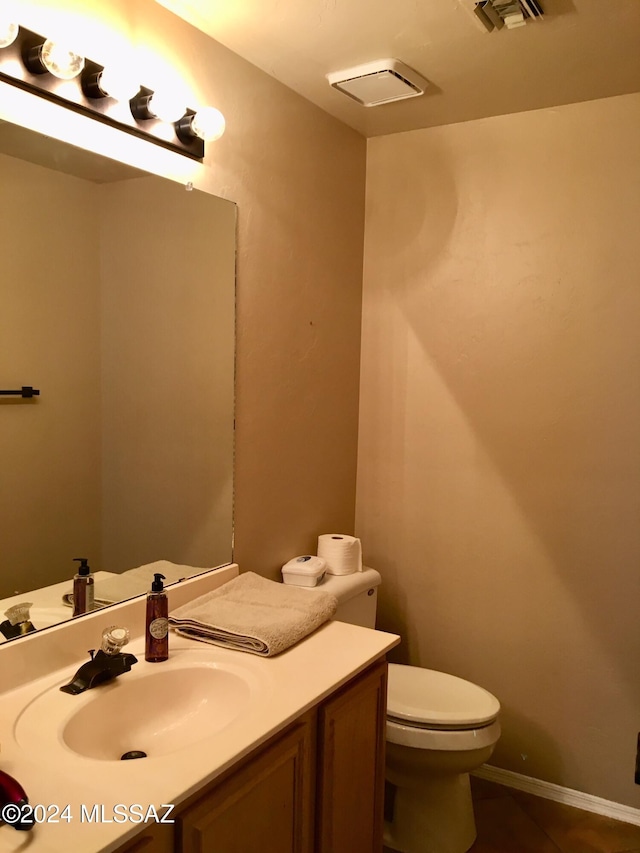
column 357, row 596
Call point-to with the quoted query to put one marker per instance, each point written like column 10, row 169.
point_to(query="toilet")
column 439, row 729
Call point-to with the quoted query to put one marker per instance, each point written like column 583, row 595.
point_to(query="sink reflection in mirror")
column 157, row 709
column 46, row 617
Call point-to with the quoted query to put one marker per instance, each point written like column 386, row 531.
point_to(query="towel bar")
column 25, row 391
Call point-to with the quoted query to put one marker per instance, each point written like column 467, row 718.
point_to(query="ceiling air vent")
column 378, row 82
column 495, row 14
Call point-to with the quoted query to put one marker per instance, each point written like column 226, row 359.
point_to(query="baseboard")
column 568, row 796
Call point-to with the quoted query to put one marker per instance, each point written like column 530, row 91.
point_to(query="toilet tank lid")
column 436, row 699
column 345, row 587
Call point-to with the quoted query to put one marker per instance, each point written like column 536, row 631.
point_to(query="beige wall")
column 499, row 456
column 298, row 178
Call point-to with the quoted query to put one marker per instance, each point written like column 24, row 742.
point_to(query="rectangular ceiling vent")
column 496, row 14
column 378, row 82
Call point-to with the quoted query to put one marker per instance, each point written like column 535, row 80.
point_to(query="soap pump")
column 157, row 623
column 83, row 592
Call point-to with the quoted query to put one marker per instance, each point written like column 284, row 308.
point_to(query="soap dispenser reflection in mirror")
column 83, row 588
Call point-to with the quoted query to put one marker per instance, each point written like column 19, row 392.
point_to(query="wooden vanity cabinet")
column 316, row 787
column 264, row 805
column 350, row 766
column 156, row 838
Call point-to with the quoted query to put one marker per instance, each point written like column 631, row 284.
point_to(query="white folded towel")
column 253, row 614
column 136, row 582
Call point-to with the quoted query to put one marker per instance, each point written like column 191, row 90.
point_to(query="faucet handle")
column 19, row 613
column 113, row 639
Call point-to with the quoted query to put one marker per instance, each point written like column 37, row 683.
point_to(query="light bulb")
column 118, row 83
column 208, row 124
column 60, row 61
column 8, row 33
column 165, row 106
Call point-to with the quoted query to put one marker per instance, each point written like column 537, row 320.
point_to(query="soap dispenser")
column 156, row 647
column 83, row 592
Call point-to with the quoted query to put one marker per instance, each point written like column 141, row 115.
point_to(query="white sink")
column 156, row 708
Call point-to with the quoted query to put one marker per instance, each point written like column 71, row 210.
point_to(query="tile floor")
column 510, row 821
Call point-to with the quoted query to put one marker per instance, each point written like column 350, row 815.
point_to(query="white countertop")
column 296, row 680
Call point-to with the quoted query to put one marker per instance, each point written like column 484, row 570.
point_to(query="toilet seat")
column 427, row 699
column 443, row 740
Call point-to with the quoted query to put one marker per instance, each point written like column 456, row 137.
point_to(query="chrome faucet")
column 106, row 664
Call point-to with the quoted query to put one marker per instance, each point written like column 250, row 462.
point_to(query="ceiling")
column 581, row 50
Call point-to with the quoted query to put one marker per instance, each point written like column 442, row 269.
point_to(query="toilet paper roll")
column 343, row 553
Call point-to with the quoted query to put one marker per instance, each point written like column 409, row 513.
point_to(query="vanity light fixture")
column 58, row 59
column 8, row 32
column 53, row 71
column 163, row 105
column 207, row 124
column 109, row 82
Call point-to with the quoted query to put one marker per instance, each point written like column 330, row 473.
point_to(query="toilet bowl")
column 439, row 728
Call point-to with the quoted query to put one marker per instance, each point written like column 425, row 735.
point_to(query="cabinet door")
column 263, row 807
column 351, row 735
column 157, row 838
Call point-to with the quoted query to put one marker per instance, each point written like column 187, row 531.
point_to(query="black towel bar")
column 25, row 391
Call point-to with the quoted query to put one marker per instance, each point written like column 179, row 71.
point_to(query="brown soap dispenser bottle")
column 83, row 588
column 156, row 647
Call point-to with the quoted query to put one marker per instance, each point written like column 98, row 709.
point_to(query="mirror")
column 118, row 306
